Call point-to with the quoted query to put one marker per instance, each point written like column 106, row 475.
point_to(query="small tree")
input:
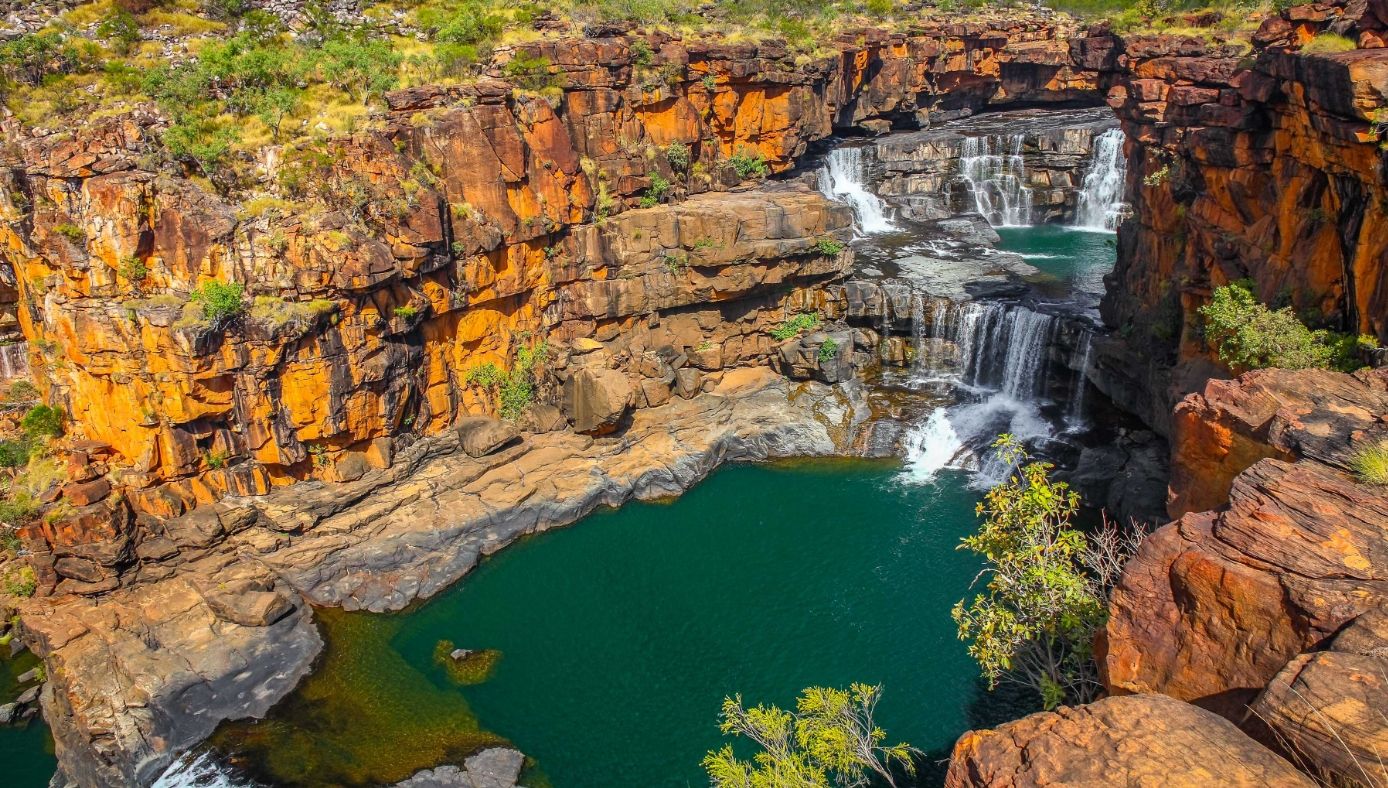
column 221, row 302
column 830, row 739
column 1048, row 584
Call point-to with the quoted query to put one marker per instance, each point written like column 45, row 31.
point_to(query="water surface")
column 620, row 636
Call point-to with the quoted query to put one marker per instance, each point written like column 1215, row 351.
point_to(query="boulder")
column 1132, row 740
column 480, row 436
column 597, row 399
column 1328, row 707
column 495, row 767
column 1286, row 414
column 1214, row 605
column 688, row 382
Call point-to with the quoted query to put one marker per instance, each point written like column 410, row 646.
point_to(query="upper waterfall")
column 1101, row 194
column 844, row 177
column 997, row 178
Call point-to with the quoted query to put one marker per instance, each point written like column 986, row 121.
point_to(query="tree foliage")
column 830, row 739
column 1047, row 588
column 1249, row 335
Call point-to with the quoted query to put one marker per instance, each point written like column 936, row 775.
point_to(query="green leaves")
column 1248, row 335
column 1035, row 622
column 831, row 734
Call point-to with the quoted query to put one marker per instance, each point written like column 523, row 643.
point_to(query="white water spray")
column 1101, row 195
column 997, row 178
column 843, row 177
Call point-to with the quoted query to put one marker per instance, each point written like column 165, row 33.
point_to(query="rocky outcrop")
column 1262, row 166
column 1132, row 740
column 1268, row 610
column 924, row 171
column 1274, row 413
column 1326, row 708
column 497, row 767
column 217, row 627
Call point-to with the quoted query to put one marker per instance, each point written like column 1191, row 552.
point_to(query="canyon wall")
column 1262, row 166
column 391, row 273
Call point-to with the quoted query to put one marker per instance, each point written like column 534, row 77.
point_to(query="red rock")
column 1132, row 740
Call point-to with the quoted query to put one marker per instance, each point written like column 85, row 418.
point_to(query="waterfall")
column 842, row 178
column 1003, row 359
column 14, row 361
column 196, row 770
column 1075, row 417
column 997, row 178
column 1101, row 194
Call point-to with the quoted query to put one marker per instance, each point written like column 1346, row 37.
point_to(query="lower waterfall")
column 1001, row 366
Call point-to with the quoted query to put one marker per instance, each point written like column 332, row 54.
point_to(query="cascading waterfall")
column 997, row 178
column 843, row 177
column 1075, row 417
column 1101, row 194
column 14, row 361
column 1002, row 354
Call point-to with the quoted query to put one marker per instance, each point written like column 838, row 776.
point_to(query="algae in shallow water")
column 365, row 716
column 471, row 667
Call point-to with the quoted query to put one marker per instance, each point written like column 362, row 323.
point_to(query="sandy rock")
column 481, row 436
column 597, row 399
column 1131, row 740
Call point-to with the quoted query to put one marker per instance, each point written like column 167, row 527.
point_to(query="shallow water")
column 621, row 636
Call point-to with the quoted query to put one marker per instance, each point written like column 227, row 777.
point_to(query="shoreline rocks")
column 150, row 669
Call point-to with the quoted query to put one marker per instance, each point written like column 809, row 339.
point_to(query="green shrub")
column 1370, row 463
column 42, row 421
column 828, row 246
column 1157, row 177
column 1327, row 43
column 407, row 312
column 486, row 375
column 656, row 192
column 531, row 73
column 749, row 164
column 677, row 153
column 221, row 302
column 470, row 24
column 22, row 391
column 133, row 269
column 641, row 53
column 709, row 82
column 17, row 508
column 14, row 454
column 70, row 231
column 795, row 326
column 1248, row 335
column 828, row 350
column 21, row 581
column 215, row 459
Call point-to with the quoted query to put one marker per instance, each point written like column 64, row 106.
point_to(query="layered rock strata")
column 1262, row 166
column 219, row 627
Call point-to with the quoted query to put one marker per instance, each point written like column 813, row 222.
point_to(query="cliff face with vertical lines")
column 1265, row 166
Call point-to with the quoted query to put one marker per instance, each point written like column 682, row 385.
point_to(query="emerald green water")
column 1076, row 259
column 620, row 636
column 26, row 750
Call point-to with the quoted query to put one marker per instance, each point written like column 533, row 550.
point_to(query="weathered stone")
column 597, row 399
column 482, row 436
column 1130, row 740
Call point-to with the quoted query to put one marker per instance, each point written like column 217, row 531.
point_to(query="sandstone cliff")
column 1261, row 165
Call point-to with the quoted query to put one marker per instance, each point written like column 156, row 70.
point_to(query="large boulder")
column 1328, row 707
column 597, row 399
column 1215, row 604
column 1286, row 414
column 480, row 436
column 1131, row 740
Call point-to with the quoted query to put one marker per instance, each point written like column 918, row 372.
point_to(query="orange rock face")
column 1263, row 167
column 1135, row 740
column 466, row 224
column 1214, row 605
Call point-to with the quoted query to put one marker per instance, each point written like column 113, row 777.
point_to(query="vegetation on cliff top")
column 830, row 739
column 1247, row 334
